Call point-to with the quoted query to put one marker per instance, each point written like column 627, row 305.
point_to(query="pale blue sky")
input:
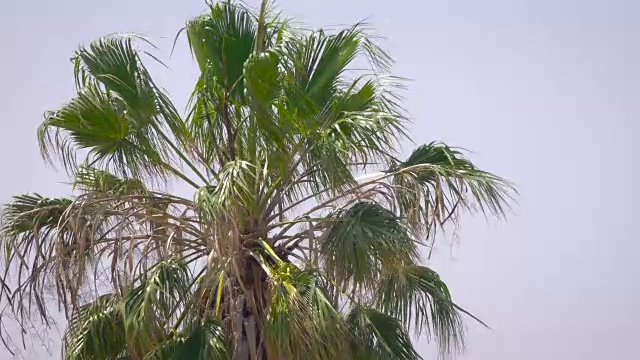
column 546, row 93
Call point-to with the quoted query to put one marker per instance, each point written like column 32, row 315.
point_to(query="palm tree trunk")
column 250, row 309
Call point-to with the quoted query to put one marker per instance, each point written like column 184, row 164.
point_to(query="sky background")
column 545, row 93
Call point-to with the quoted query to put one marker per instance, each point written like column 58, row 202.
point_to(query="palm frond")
column 378, row 336
column 300, row 320
column 233, row 196
column 31, row 235
column 420, row 299
column 221, row 42
column 362, row 242
column 96, row 122
column 365, row 121
column 92, row 180
column 32, row 212
column 151, row 306
column 30, row 228
column 263, row 84
column 341, row 121
column 96, row 331
column 205, row 341
column 119, row 116
column 317, row 62
column 437, row 179
column 113, row 62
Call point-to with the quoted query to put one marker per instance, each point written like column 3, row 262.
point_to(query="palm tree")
column 304, row 234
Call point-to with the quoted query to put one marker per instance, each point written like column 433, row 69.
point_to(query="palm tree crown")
column 303, row 236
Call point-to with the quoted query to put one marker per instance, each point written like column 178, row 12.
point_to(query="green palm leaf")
column 96, row 122
column 114, row 63
column 29, row 213
column 437, row 179
column 420, row 299
column 300, row 321
column 34, row 230
column 119, row 115
column 363, row 241
column 92, row 180
column 221, row 42
column 206, row 341
column 378, row 336
column 150, row 307
column 96, row 331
